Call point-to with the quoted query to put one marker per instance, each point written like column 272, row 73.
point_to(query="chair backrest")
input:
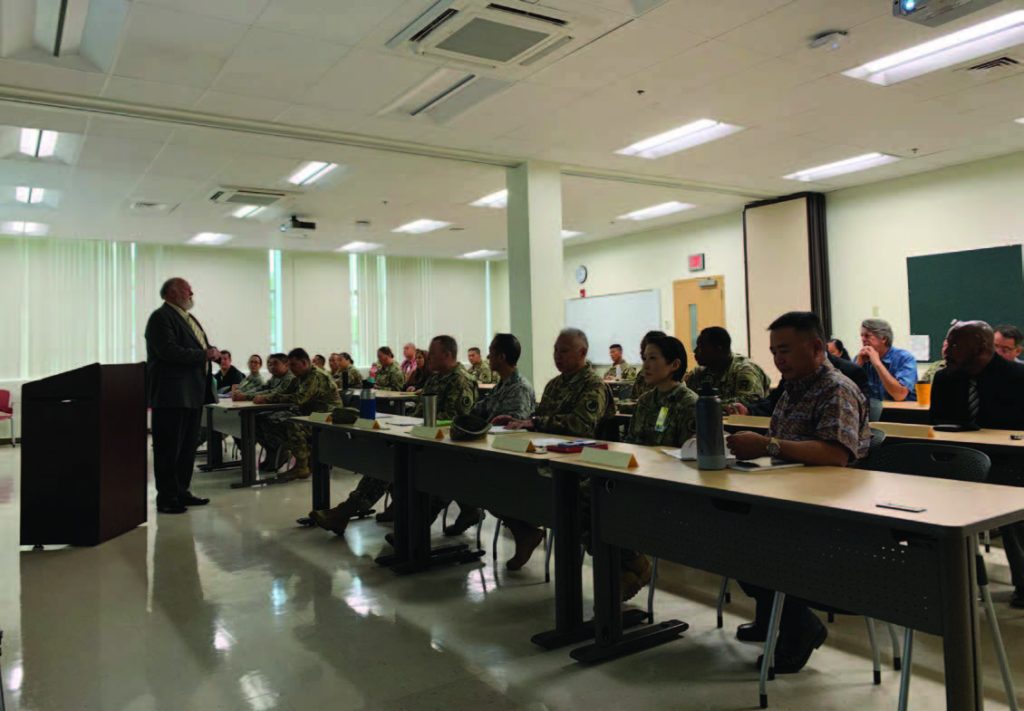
column 608, row 429
column 5, row 402
column 941, row 461
column 874, row 410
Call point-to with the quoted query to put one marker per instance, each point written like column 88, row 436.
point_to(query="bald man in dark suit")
column 179, row 372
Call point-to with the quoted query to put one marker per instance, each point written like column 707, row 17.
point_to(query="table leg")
column 321, row 477
column 248, row 448
column 214, row 449
column 609, row 640
column 960, row 636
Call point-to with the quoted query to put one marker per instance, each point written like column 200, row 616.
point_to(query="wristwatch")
column 774, row 448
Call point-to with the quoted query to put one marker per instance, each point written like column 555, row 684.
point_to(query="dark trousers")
column 175, row 438
column 796, row 615
column 1013, row 544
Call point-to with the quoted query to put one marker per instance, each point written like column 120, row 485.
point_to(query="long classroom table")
column 907, row 411
column 510, row 484
column 813, row 532
column 237, row 419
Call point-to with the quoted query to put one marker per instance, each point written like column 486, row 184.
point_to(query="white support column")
column 536, row 299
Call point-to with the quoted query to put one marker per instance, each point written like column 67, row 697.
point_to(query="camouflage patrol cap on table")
column 466, row 428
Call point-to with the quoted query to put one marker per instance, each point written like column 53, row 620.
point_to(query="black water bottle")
column 710, row 440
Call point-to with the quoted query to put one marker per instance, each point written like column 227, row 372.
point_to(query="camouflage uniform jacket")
column 316, row 392
column 574, row 404
column 348, row 379
column 390, row 378
column 628, row 372
column 277, row 384
column 455, row 390
column 482, row 372
column 512, row 396
column 640, row 386
column 678, row 424
column 743, row 381
column 929, row 375
column 252, row 383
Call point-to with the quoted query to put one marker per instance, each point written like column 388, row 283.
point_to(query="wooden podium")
column 83, row 458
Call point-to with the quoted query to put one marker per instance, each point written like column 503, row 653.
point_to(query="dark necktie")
column 973, row 401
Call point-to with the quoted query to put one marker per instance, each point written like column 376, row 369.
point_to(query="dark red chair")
column 7, row 410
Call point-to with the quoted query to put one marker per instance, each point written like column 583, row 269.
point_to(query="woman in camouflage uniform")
column 665, row 415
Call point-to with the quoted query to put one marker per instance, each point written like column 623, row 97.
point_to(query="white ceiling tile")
column 175, row 47
column 129, row 129
column 249, row 107
column 241, row 11
column 276, row 65
column 137, row 91
column 711, row 18
column 187, row 162
column 117, row 155
column 317, row 117
column 344, row 21
column 367, row 81
column 36, row 75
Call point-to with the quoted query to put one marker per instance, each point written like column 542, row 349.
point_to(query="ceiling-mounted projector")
column 298, row 227
column 933, row 13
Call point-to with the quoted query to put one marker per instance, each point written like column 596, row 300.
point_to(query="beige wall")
column 653, row 260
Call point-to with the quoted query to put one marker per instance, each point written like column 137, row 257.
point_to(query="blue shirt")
column 901, row 365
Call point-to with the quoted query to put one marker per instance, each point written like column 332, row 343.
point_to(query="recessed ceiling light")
column 841, row 167
column 945, row 51
column 495, row 200
column 311, row 172
column 359, row 247
column 210, row 238
column 29, row 196
column 482, row 254
column 18, row 227
column 660, row 210
column 38, row 144
column 680, row 138
column 567, row 234
column 1020, row 120
column 248, row 211
column 418, row 227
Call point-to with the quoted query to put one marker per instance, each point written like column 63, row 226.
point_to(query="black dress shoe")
column 465, row 521
column 173, row 507
column 794, row 658
column 192, row 500
column 1017, row 601
column 752, row 632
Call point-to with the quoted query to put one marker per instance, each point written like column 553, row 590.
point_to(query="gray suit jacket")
column 177, row 371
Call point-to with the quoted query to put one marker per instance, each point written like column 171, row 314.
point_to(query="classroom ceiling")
column 636, row 68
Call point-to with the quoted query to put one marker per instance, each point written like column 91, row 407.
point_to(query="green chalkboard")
column 978, row 284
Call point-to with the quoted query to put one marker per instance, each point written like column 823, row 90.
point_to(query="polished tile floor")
column 233, row 607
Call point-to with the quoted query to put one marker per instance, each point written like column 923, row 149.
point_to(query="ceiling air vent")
column 997, row 63
column 527, row 13
column 247, row 196
column 434, row 24
column 146, row 207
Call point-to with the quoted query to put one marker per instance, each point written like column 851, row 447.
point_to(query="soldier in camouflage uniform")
column 314, row 392
column 456, row 394
column 344, row 373
column 281, row 379
column 620, row 369
column 388, row 375
column 513, row 395
column 478, row 368
column 735, row 377
column 666, row 415
column 640, row 385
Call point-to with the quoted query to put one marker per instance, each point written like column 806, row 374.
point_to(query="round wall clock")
column 581, row 274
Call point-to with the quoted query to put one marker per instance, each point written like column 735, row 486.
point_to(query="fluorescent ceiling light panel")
column 419, row 227
column 566, row 234
column 482, row 254
column 970, row 43
column 841, row 167
column 38, row 144
column 679, row 139
column 210, row 238
column 311, row 172
column 1020, row 120
column 247, row 211
column 496, row 200
column 660, row 210
column 359, row 247
column 18, row 227
column 29, row 196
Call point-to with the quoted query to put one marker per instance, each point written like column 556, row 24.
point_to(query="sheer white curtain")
column 316, row 304
column 67, row 303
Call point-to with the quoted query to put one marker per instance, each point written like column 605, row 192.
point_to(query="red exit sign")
column 696, row 262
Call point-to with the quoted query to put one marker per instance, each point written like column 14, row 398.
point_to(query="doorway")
column 698, row 303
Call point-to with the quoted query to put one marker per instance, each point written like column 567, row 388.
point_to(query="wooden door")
column 698, row 303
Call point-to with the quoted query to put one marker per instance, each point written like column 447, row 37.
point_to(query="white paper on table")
column 920, row 346
column 686, row 453
column 549, row 441
column 501, row 429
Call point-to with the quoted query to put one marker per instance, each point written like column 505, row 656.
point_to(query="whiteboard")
column 615, row 318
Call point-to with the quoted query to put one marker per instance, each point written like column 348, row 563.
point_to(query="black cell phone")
column 970, row 427
column 746, row 465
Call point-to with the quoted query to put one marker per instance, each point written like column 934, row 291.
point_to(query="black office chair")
column 961, row 464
